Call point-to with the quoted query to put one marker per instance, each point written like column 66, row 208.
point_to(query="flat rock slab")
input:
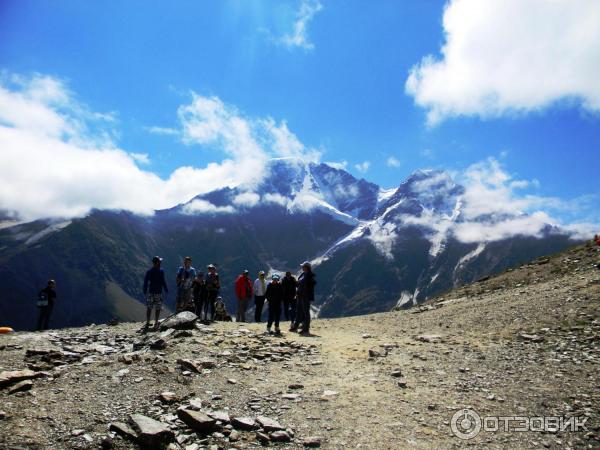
column 196, row 420
column 184, row 320
column 21, row 386
column 221, row 416
column 168, row 397
column 9, row 377
column 123, row 430
column 151, row 434
column 269, row 424
column 243, row 423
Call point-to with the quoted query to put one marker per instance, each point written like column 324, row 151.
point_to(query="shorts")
column 154, row 301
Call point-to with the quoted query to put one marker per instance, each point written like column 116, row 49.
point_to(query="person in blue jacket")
column 154, row 285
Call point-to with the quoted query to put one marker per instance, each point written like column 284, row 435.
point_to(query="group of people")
column 199, row 293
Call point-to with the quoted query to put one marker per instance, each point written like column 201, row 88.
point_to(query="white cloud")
column 340, row 165
column 363, row 167
column 163, row 131
column 298, row 37
column 393, row 162
column 276, row 198
column 383, row 236
column 199, row 206
column 246, row 199
column 45, row 130
column 511, row 56
column 141, row 158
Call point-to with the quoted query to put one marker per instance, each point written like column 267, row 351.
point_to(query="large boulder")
column 184, row 320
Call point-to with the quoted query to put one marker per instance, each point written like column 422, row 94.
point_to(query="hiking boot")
column 269, row 331
column 277, row 332
column 293, row 328
column 304, row 333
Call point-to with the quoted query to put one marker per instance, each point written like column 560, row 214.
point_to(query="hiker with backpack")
column 289, row 284
column 200, row 296
column 305, row 294
column 260, row 288
column 154, row 285
column 243, row 292
column 274, row 296
column 45, row 304
column 185, row 279
column 213, row 285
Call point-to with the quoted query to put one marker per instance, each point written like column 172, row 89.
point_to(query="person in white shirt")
column 260, row 289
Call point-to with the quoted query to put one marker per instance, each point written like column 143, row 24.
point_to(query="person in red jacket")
column 243, row 292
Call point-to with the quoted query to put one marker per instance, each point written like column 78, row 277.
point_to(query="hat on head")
column 275, row 277
column 187, row 258
column 262, row 272
column 211, row 266
column 157, row 259
column 306, row 264
column 245, row 272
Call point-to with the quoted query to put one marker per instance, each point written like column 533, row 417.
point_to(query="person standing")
column 185, row 279
column 200, row 296
column 275, row 296
column 154, row 285
column 289, row 284
column 243, row 292
column 260, row 288
column 45, row 304
column 305, row 294
column 213, row 285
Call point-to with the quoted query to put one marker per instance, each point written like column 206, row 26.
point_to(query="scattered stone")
column 232, row 381
column 168, row 397
column 158, row 344
column 234, row 436
column 312, row 442
column 291, row 396
column 397, row 373
column 184, row 320
column 296, row 386
column 21, row 386
column 243, row 423
column 207, row 363
column 3, row 415
column 188, row 364
column 280, row 436
column 377, row 352
column 269, row 424
column 531, row 337
column 402, row 384
column 196, row 420
column 429, row 338
column 77, row 432
column 262, row 437
column 329, row 393
column 151, row 433
column 123, row 430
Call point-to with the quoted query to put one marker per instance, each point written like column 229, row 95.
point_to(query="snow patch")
column 52, row 228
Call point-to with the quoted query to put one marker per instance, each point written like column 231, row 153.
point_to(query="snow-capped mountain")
column 372, row 248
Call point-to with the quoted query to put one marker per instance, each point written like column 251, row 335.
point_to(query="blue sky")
column 335, row 72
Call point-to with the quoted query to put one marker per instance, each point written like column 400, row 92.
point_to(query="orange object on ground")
column 6, row 330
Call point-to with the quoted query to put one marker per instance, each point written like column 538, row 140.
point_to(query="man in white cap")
column 260, row 289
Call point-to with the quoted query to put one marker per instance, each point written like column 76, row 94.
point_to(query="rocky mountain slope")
column 524, row 343
column 372, row 248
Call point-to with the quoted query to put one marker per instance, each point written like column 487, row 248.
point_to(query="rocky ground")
column 525, row 343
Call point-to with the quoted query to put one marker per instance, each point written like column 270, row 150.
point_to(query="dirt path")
column 522, row 344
